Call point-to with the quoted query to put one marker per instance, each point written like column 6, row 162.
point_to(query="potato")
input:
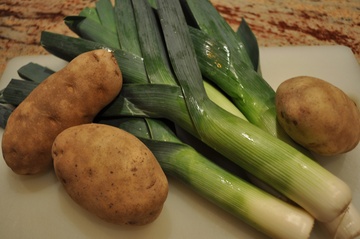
column 318, row 115
column 111, row 173
column 72, row 96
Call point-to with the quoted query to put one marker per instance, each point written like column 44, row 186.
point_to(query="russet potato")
column 318, row 115
column 110, row 173
column 72, row 96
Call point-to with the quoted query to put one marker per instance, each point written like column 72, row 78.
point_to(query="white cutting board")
column 38, row 207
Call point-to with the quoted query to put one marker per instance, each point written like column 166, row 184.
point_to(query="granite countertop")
column 274, row 22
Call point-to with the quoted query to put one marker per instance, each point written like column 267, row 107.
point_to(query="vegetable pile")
column 175, row 58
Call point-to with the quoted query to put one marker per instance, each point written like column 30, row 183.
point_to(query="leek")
column 217, row 185
column 208, row 19
column 126, row 27
column 31, row 69
column 106, row 14
column 105, row 35
column 17, row 90
column 250, row 42
column 133, row 65
column 346, row 226
column 249, row 91
column 4, row 115
column 90, row 13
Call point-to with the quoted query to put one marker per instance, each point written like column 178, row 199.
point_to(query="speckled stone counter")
column 274, row 22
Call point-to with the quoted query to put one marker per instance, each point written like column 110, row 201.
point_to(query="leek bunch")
column 165, row 63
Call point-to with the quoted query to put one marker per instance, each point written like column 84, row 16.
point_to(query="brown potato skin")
column 318, row 115
column 72, row 96
column 111, row 173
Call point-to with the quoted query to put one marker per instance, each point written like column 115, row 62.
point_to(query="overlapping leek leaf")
column 250, row 43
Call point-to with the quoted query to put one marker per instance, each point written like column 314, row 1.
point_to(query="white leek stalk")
column 346, row 226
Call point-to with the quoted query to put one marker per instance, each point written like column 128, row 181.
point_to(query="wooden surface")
column 274, row 22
